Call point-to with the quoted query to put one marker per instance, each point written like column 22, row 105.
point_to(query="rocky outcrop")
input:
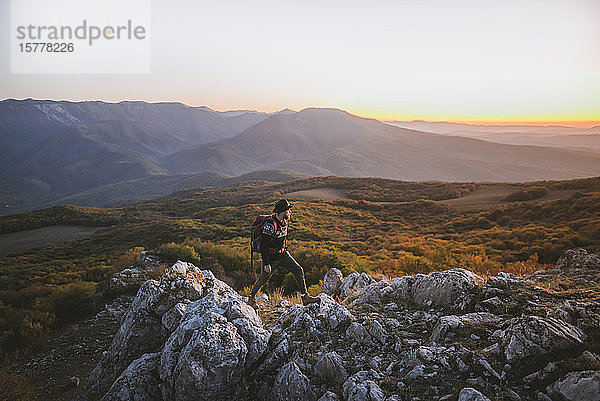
column 332, row 283
column 578, row 259
column 129, row 280
column 533, row 335
column 453, row 289
column 577, row 386
column 142, row 330
column 442, row 336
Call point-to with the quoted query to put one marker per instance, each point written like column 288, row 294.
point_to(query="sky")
column 435, row 60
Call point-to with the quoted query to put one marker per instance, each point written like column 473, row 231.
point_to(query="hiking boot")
column 307, row 300
column 252, row 302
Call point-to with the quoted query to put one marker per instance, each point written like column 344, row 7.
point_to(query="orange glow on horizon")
column 564, row 123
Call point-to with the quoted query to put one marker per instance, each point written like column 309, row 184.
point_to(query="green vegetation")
column 389, row 227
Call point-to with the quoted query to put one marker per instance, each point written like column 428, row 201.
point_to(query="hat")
column 282, row 206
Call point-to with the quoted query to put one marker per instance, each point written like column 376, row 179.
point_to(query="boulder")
column 452, row 322
column 137, row 382
column 470, row 394
column 158, row 309
column 326, row 314
column 453, row 289
column 292, row 385
column 329, row 396
column 533, row 335
column 578, row 259
column 216, row 339
column 362, row 387
column 332, row 282
column 354, row 284
column 330, row 369
column 506, row 281
column 577, row 386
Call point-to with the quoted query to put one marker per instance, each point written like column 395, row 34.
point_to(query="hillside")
column 102, row 154
column 378, row 226
column 333, row 142
column 52, row 149
column 141, row 189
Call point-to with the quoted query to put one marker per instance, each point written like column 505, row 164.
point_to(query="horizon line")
column 581, row 122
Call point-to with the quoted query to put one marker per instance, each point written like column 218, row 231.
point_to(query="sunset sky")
column 450, row 60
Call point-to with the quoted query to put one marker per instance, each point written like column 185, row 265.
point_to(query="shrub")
column 131, row 257
column 173, row 252
column 526, row 194
column 71, row 302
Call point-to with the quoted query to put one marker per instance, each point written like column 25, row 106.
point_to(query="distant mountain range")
column 547, row 135
column 98, row 153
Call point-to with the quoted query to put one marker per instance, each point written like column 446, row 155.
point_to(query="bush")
column 71, row 302
column 131, row 257
column 172, row 252
column 526, row 194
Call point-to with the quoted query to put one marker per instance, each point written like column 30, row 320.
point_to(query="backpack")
column 256, row 231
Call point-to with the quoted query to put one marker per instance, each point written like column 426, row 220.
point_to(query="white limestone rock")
column 533, row 335
column 332, row 282
column 292, row 385
column 577, row 386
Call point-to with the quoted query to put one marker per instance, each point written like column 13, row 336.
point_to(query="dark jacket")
column 273, row 241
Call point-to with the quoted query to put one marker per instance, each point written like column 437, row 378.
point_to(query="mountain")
column 59, row 151
column 333, row 142
column 51, row 149
column 555, row 136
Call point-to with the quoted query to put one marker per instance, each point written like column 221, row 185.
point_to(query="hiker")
column 273, row 249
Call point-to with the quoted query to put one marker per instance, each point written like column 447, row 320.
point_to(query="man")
column 275, row 255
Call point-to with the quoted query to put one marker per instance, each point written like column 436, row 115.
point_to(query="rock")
column 327, row 312
column 332, row 313
column 371, row 293
column 417, row 371
column 332, row 282
column 292, row 385
column 398, row 289
column 329, row 396
column 361, row 387
column 533, row 335
column 577, row 386
column 451, row 288
column 506, row 281
column 207, row 354
column 274, row 359
column 542, row 397
column 127, row 281
column 74, row 381
column 541, row 374
column 453, row 322
column 137, row 382
column 470, row 394
column 210, row 364
column 578, row 259
column 378, row 332
column 358, row 333
column 354, row 284
column 144, row 331
column 330, row 369
column 171, row 318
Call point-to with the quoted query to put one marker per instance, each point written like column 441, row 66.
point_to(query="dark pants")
column 288, row 263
